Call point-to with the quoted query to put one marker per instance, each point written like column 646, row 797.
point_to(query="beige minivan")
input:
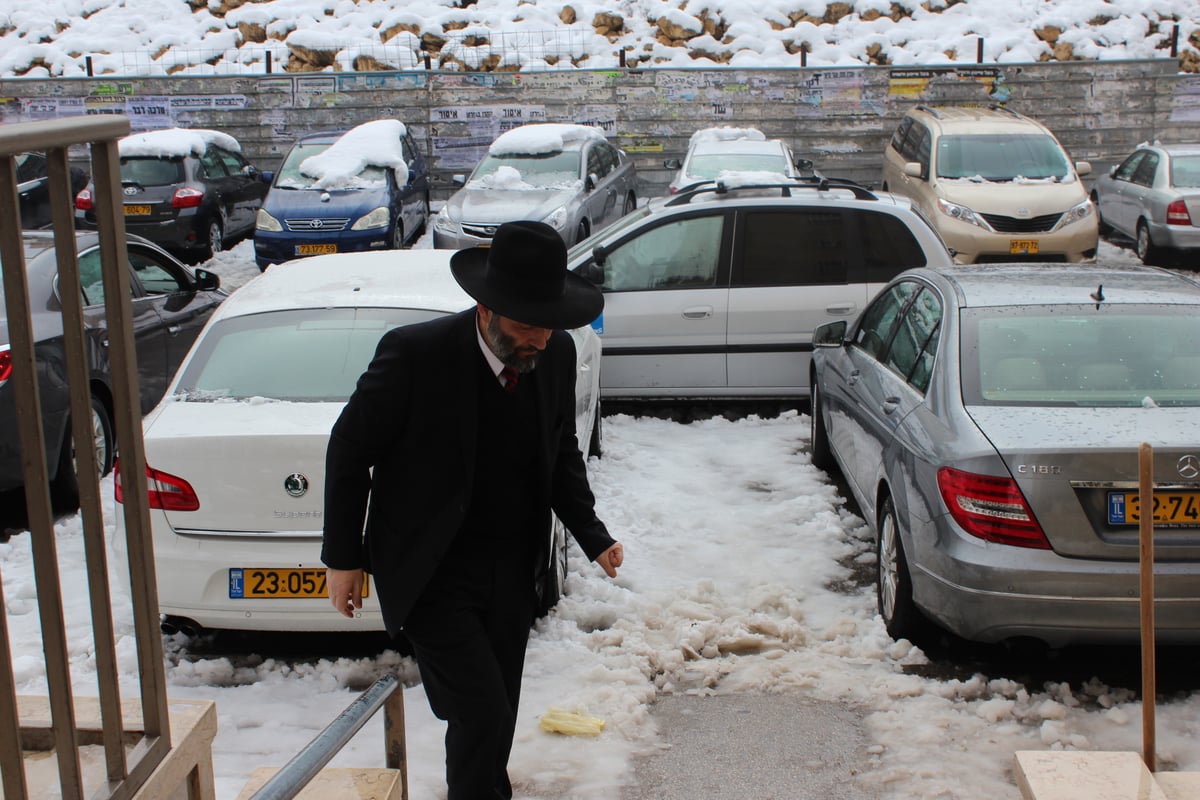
column 997, row 185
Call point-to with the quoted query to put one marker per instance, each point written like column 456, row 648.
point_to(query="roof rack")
column 820, row 183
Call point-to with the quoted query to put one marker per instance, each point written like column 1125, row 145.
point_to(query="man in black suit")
column 456, row 445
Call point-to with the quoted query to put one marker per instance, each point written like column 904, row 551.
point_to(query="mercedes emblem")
column 1188, row 466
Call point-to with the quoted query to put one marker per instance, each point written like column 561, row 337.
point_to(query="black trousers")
column 469, row 631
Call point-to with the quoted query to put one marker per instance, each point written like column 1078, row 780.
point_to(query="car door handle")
column 698, row 312
column 174, row 329
column 853, row 377
column 841, row 310
column 890, row 405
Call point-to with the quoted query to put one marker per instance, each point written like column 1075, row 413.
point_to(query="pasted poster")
column 483, row 124
column 830, row 93
column 1185, row 100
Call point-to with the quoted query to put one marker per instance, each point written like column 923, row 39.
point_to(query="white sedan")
column 236, row 450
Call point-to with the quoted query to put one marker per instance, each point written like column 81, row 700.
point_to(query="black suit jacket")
column 406, row 440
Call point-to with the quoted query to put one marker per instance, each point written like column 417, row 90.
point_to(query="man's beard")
column 505, row 347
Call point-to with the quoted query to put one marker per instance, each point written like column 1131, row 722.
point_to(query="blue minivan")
column 366, row 188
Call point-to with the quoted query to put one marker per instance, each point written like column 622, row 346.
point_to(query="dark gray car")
column 988, row 419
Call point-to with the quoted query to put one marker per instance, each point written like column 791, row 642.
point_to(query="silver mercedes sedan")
column 988, row 419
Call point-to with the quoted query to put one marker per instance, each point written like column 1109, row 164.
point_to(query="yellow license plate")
column 1023, row 247
column 1170, row 508
column 136, row 210
column 256, row 582
column 315, row 249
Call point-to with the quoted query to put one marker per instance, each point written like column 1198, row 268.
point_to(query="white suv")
column 714, row 292
column 996, row 184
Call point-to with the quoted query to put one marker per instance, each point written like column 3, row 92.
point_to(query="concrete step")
column 334, row 783
column 1099, row 775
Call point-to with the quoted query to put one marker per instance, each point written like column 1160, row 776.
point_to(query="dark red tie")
column 510, row 379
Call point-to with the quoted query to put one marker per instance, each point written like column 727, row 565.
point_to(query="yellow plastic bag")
column 572, row 723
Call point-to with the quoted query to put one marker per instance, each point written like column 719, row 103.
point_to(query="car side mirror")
column 593, row 272
column 266, row 177
column 459, row 179
column 1083, row 168
column 591, row 181
column 804, row 164
column 831, row 334
column 913, row 170
column 207, row 281
column 672, row 163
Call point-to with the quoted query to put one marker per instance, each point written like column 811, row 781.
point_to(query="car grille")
column 1045, row 222
column 331, row 224
column 479, row 231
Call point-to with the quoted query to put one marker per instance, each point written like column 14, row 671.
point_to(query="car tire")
column 630, row 204
column 595, row 442
column 1105, row 228
column 819, row 452
column 216, row 238
column 397, row 239
column 554, row 584
column 64, row 488
column 424, row 226
column 1146, row 251
column 893, row 582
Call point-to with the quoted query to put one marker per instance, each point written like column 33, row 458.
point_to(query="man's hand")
column 345, row 589
column 611, row 558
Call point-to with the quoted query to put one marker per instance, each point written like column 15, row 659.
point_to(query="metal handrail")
column 291, row 779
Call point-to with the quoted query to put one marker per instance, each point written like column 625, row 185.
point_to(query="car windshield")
column 1185, row 171
column 707, row 167
column 544, row 170
column 151, row 171
column 290, row 176
column 1127, row 355
column 1001, row 157
column 306, row 356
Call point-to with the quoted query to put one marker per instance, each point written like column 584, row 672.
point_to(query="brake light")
column 187, row 197
column 991, row 508
column 5, row 364
column 1177, row 214
column 83, row 200
column 165, row 491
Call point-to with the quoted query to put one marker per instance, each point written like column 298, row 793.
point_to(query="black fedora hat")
column 523, row 276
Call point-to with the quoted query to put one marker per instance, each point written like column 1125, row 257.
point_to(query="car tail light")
column 187, row 197
column 5, row 364
column 165, row 491
column 83, row 200
column 1177, row 214
column 990, row 508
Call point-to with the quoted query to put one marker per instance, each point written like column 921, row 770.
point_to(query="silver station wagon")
column 988, row 422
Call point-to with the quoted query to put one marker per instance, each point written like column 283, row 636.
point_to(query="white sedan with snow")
column 236, row 451
column 568, row 176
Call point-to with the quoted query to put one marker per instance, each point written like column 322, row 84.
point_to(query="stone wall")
column 841, row 118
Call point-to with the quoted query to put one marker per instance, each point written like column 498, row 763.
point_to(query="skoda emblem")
column 1188, row 466
column 295, row 484
column 316, row 223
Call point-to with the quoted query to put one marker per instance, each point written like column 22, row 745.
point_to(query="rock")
column 1048, row 33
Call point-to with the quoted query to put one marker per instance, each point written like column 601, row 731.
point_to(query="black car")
column 190, row 191
column 170, row 304
column 33, row 188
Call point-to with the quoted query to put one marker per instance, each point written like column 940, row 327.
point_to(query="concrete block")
column 1078, row 775
column 337, row 784
column 1179, row 785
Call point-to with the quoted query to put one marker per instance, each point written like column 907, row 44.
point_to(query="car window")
column 91, row 278
column 773, row 256
column 30, row 166
column 609, row 157
column 1144, row 175
column 212, row 165
column 594, row 164
column 901, row 132
column 878, row 320
column 155, row 277
column 915, row 344
column 888, row 245
column 1185, row 171
column 151, row 171
column 917, row 146
column 556, row 169
column 234, row 163
column 1129, row 166
column 308, row 355
column 1081, row 355
column 680, row 254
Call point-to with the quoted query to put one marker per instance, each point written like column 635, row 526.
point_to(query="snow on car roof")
column 725, row 133
column 542, row 137
column 383, row 279
column 372, row 144
column 175, row 143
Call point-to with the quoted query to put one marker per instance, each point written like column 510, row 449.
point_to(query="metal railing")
column 126, row 770
column 387, row 693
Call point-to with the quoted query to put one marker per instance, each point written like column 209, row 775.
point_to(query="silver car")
column 988, row 419
column 1153, row 197
column 568, row 176
column 713, row 151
